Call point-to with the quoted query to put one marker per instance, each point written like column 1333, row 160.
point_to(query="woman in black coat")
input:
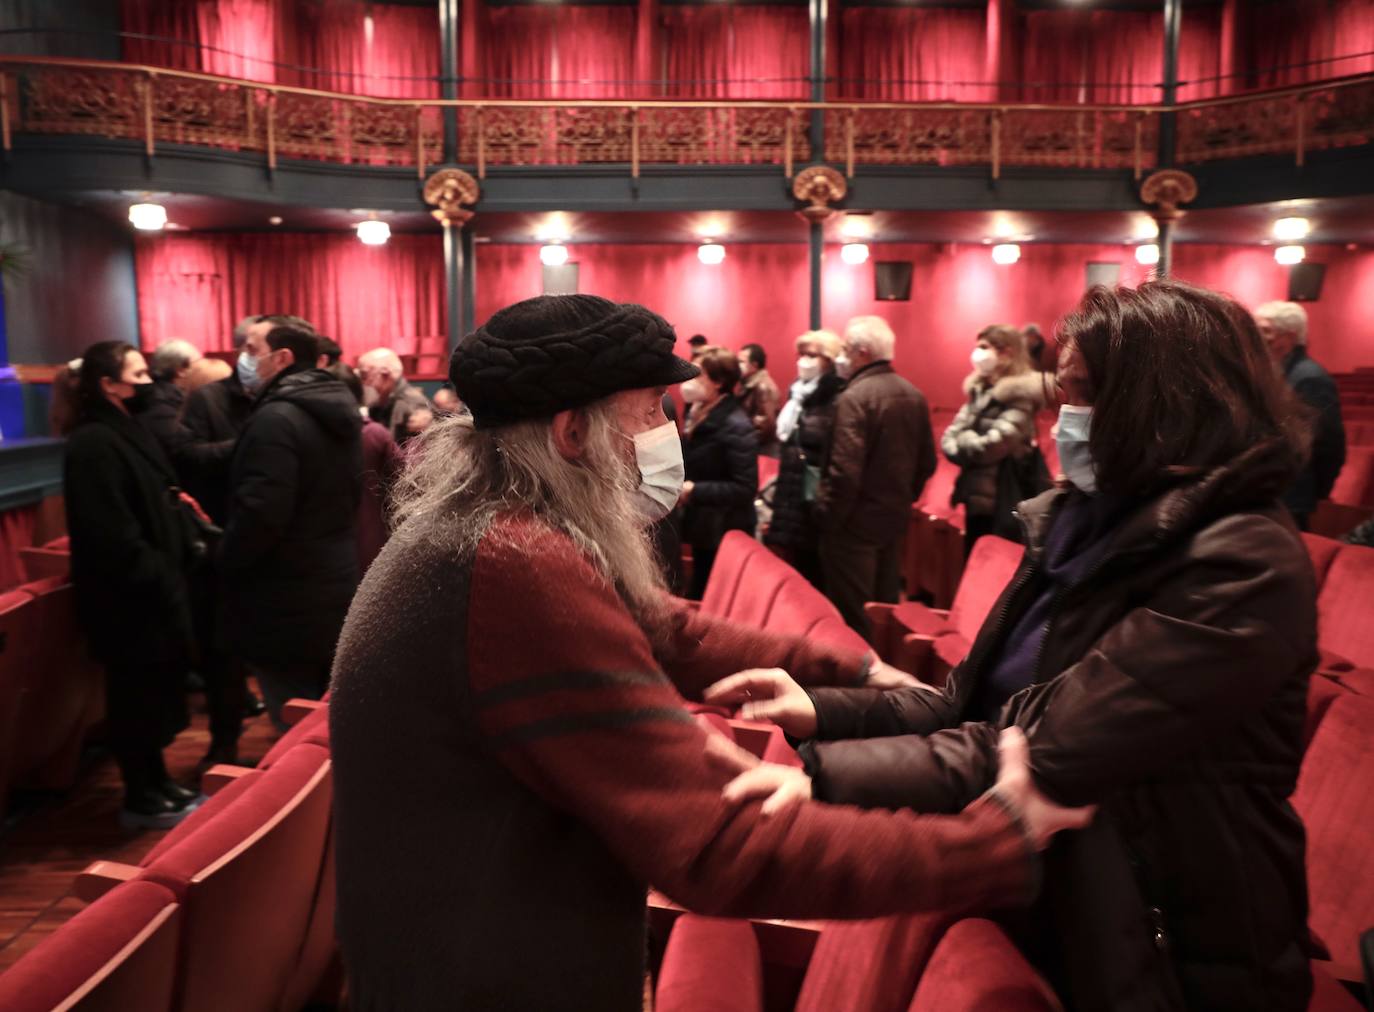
column 720, row 455
column 805, row 425
column 131, row 551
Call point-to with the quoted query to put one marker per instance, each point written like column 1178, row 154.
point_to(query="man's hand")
column 779, row 786
column 1040, row 816
column 767, row 694
column 882, row 675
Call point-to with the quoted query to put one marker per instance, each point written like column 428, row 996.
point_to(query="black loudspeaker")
column 892, row 280
column 560, row 280
column 1103, row 272
column 1305, row 282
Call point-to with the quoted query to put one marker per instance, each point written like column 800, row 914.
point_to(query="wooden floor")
column 47, row 840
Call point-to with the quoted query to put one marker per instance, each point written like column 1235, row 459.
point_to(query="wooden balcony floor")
column 46, row 841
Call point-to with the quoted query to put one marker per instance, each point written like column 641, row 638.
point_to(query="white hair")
column 1288, row 317
column 871, row 334
column 459, row 479
column 383, row 358
column 171, row 357
column 240, row 335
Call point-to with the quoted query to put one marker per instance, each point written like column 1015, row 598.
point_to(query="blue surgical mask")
column 1075, row 459
column 247, row 369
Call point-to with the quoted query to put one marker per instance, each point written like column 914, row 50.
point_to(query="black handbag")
column 1018, row 479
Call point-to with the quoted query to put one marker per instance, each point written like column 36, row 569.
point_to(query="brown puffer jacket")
column 1170, row 689
column 997, row 421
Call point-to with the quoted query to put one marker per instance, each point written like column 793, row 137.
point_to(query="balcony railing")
column 40, row 95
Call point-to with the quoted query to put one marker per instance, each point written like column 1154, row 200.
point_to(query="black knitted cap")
column 554, row 352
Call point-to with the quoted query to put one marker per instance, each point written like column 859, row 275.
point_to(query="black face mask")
column 141, row 399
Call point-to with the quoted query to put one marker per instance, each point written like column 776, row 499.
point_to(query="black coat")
column 289, row 554
column 131, row 550
column 791, row 526
column 1315, row 387
column 213, row 417
column 721, row 457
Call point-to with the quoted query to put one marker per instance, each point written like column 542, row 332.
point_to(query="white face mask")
column 844, row 367
column 658, row 453
column 984, row 361
column 1075, row 459
column 808, row 367
column 694, row 391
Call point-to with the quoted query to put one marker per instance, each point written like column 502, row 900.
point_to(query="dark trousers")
column 226, row 691
column 282, row 682
column 974, row 528
column 857, row 571
column 145, row 708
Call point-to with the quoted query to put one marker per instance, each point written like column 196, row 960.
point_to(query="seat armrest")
column 219, row 776
column 293, row 711
column 100, row 877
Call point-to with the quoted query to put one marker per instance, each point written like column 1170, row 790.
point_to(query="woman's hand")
column 1040, row 816
column 781, row 787
column 882, row 675
column 767, row 694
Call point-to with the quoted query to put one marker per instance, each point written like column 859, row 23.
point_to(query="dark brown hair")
column 1180, row 383
column 720, row 366
column 102, row 360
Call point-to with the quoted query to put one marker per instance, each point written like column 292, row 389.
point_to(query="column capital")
column 447, row 190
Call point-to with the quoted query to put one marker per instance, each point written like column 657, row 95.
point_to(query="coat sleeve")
column 926, row 458
column 742, row 461
column 1212, row 645
column 110, row 535
column 702, row 649
column 567, row 696
column 880, row 713
column 949, row 442
column 1328, row 437
column 195, row 448
column 1008, row 433
column 265, row 479
column 844, row 468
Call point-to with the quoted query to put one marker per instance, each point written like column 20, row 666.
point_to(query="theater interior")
column 397, row 171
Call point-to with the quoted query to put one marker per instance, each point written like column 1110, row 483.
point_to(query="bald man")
column 389, row 398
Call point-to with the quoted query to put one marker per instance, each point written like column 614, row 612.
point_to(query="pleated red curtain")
column 736, row 52
column 558, row 52
column 1292, row 43
column 904, row 54
column 1199, row 54
column 197, row 286
column 1088, row 56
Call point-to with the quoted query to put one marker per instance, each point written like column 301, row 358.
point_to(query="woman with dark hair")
column 720, row 456
column 1155, row 646
column 992, row 438
column 132, row 547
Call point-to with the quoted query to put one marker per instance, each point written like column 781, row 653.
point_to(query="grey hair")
column 872, row 334
column 1288, row 317
column 459, row 479
column 170, row 358
column 241, row 330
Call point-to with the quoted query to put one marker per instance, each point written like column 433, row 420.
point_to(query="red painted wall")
column 760, row 294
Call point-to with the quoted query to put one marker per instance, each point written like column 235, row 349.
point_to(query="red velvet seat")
column 1329, row 996
column 1322, row 552
column 975, row 968
column 1355, row 484
column 1333, row 797
column 869, row 966
column 313, row 729
column 117, row 955
column 41, row 563
column 768, row 469
column 711, row 964
column 16, row 650
column 248, row 877
column 1322, row 691
column 736, row 550
column 1344, row 627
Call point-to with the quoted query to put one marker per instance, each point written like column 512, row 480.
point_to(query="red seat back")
column 768, row 469
column 313, row 728
column 1333, row 797
column 989, row 569
column 1322, row 552
column 869, row 966
column 975, row 968
column 1343, row 606
column 16, row 652
column 248, row 879
column 1355, row 484
column 118, row 954
column 736, row 549
column 759, row 587
column 710, row 965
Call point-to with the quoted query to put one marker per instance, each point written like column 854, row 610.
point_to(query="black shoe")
column 254, row 707
column 151, row 810
column 176, row 794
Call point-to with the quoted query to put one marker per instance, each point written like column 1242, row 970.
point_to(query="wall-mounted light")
column 854, row 253
column 373, row 232
column 1147, row 255
column 856, row 226
column 1289, row 255
column 711, row 253
column 1006, row 253
column 1291, row 229
column 553, row 255
column 148, row 217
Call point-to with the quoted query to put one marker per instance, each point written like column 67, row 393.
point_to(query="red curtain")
column 736, row 52
column 16, row 531
column 198, row 286
column 558, row 52
column 1199, row 54
column 904, row 54
column 1292, row 43
column 1085, row 56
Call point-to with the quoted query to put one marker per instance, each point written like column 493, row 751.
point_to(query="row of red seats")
column 232, row 910
column 925, row 962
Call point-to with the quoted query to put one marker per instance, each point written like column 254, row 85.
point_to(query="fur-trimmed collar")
column 1027, row 386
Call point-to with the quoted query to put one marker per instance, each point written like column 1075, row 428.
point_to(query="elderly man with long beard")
column 514, row 760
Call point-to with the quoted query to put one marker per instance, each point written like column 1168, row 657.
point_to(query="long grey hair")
column 459, row 479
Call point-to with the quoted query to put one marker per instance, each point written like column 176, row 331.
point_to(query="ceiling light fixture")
column 857, row 226
column 711, row 253
column 553, row 255
column 854, row 253
column 1291, row 229
column 373, row 232
column 276, row 219
column 1147, row 255
column 1006, row 253
column 148, row 217
column 1290, row 255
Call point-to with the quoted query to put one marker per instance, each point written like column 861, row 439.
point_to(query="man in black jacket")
column 288, row 553
column 1283, row 325
column 168, row 366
